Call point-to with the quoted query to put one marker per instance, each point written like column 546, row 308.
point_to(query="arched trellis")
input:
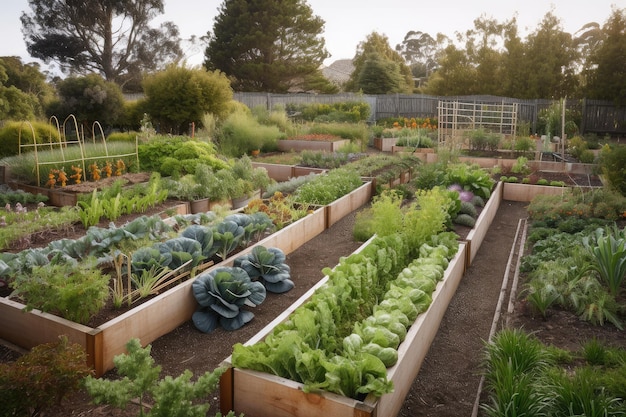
column 63, row 143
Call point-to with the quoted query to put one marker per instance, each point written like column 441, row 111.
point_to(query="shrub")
column 11, row 133
column 587, row 157
column 612, row 162
column 42, row 378
column 122, row 137
column 178, row 96
column 347, row 111
column 241, row 134
column 524, row 144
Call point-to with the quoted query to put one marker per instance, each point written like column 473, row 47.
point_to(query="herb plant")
column 170, row 397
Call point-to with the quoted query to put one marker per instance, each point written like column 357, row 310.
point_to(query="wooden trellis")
column 60, row 147
column 456, row 117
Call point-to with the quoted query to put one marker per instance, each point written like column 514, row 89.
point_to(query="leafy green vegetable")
column 221, row 293
column 267, row 265
column 227, row 236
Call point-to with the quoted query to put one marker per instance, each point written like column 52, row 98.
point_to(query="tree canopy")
column 375, row 56
column 90, row 99
column 492, row 58
column 24, row 92
column 267, row 45
column 608, row 79
column 112, row 37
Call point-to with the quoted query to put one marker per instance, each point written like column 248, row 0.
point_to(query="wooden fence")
column 598, row 116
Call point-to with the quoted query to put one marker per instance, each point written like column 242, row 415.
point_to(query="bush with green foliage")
column 12, row 134
column 178, row 96
column 482, row 140
column 276, row 117
column 241, row 133
column 613, row 166
column 346, row 111
column 90, row 99
column 41, row 378
column 177, row 155
column 122, row 137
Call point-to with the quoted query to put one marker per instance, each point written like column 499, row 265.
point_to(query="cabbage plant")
column 221, row 293
column 269, row 267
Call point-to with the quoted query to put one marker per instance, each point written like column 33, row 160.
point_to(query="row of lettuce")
column 346, row 335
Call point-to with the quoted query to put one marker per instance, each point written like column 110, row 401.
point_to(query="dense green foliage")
column 282, row 56
column 24, row 92
column 41, row 378
column 613, row 166
column 14, row 134
column 378, row 69
column 167, row 397
column 492, row 58
column 177, row 155
column 90, row 99
column 73, row 291
column 608, row 78
column 524, row 377
column 178, row 96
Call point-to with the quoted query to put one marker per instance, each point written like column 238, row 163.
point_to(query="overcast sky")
column 348, row 22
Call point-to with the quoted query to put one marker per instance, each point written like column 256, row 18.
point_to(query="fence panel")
column 598, row 116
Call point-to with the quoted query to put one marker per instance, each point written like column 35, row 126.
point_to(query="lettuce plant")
column 268, row 266
column 221, row 293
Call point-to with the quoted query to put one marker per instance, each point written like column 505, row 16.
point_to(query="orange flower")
column 95, row 172
column 62, row 178
column 51, row 179
column 78, row 173
column 107, row 170
column 120, row 166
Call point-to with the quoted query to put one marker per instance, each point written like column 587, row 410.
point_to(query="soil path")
column 448, row 380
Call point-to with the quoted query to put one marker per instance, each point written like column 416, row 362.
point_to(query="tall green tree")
column 375, row 52
column 267, row 45
column 110, row 37
column 552, row 55
column 90, row 99
column 24, row 91
column 179, row 96
column 455, row 75
column 607, row 72
column 419, row 50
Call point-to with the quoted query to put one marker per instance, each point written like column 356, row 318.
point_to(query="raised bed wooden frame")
column 161, row 314
column 245, row 391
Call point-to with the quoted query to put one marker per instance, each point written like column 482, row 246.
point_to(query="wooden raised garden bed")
column 295, row 145
column 161, row 314
column 245, row 391
column 385, row 144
